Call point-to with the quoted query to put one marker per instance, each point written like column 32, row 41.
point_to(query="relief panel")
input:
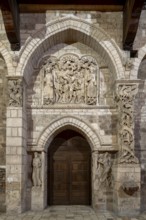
column 68, row 80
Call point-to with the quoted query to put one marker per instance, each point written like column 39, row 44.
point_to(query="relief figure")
column 37, row 165
column 69, row 80
column 48, row 86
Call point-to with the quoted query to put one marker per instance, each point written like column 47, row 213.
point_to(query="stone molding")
column 56, row 126
column 100, row 41
column 137, row 62
column 7, row 58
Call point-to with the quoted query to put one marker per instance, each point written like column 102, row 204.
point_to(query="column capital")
column 15, row 91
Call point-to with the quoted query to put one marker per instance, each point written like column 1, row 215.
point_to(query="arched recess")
column 69, row 29
column 79, row 126
column 69, row 122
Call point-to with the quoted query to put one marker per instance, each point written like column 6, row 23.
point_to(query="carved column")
column 126, row 170
column 16, row 156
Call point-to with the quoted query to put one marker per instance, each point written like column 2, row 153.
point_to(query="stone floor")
column 66, row 213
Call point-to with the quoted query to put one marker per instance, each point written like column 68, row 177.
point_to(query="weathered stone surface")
column 2, row 189
column 86, row 78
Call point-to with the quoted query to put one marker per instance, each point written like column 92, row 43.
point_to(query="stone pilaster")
column 16, row 156
column 126, row 170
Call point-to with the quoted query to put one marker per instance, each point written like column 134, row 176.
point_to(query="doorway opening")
column 69, row 170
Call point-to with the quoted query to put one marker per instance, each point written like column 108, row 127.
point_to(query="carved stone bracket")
column 125, row 101
column 15, row 92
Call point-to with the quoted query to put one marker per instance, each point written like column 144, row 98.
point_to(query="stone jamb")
column 16, row 155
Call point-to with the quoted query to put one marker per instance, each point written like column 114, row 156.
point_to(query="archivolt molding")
column 7, row 58
column 63, row 123
column 137, row 62
column 57, row 32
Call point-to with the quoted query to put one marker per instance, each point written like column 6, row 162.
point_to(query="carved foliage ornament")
column 69, row 80
column 125, row 98
column 15, row 92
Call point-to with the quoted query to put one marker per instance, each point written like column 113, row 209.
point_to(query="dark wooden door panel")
column 80, row 180
column 60, row 180
column 70, row 175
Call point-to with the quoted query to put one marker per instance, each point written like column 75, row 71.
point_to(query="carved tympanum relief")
column 15, row 90
column 69, row 80
column 125, row 98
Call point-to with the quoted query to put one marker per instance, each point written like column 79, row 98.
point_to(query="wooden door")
column 69, row 173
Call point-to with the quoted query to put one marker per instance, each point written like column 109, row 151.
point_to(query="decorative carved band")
column 125, row 99
column 15, row 92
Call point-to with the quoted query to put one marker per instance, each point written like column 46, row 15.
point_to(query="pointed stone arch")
column 74, row 123
column 137, row 62
column 76, row 29
column 7, row 58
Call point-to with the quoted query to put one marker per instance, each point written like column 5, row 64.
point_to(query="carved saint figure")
column 90, row 85
column 36, row 175
column 48, row 86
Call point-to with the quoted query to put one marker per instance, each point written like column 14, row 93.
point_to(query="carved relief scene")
column 71, row 78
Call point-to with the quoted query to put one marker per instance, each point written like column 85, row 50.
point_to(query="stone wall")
column 101, row 118
column 140, row 39
column 2, row 189
column 140, row 129
column 3, row 35
column 110, row 22
column 3, row 97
